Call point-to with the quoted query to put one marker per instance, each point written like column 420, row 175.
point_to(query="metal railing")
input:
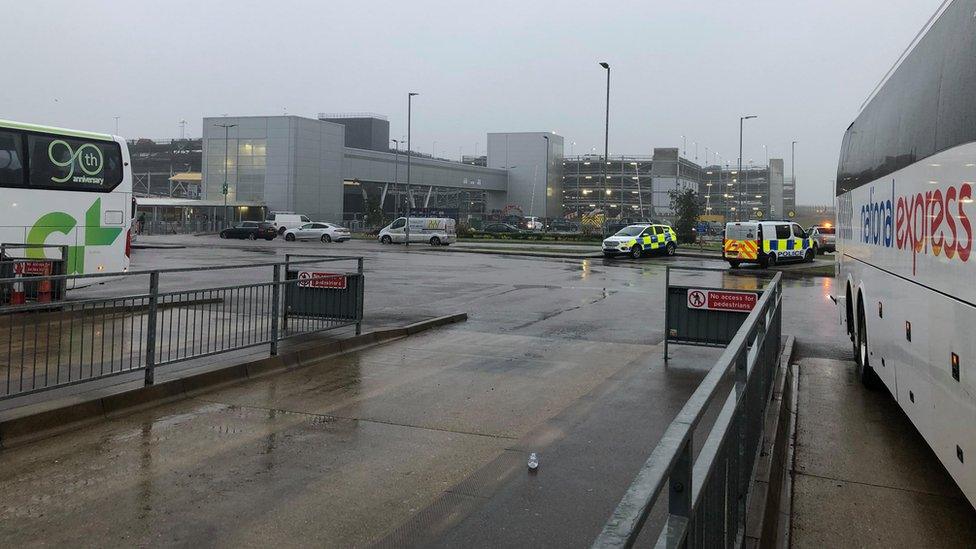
column 55, row 344
column 706, row 495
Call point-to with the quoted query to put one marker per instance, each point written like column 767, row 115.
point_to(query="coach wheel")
column 670, row 249
column 326, row 239
column 636, row 252
column 435, row 241
column 865, row 372
column 290, row 237
column 849, row 315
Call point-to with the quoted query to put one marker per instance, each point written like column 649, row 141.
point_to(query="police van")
column 766, row 243
column 636, row 240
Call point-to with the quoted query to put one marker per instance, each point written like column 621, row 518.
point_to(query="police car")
column 766, row 243
column 636, row 240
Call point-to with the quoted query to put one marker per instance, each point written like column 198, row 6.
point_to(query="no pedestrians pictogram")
column 696, row 299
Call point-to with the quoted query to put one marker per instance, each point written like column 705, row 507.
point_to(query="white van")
column 436, row 231
column 766, row 243
column 282, row 221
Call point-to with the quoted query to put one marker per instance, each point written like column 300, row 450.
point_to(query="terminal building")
column 298, row 164
column 342, row 168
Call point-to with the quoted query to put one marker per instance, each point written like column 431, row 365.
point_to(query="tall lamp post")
column 545, row 187
column 409, row 113
column 606, row 149
column 396, row 177
column 793, row 165
column 223, row 190
column 738, row 210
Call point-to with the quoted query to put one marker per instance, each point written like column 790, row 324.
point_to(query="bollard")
column 17, row 295
column 44, row 291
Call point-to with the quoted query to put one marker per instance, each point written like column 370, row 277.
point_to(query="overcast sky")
column 680, row 67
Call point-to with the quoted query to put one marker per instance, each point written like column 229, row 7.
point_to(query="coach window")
column 782, row 232
column 11, row 167
column 74, row 164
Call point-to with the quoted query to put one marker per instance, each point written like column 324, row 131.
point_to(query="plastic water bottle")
column 533, row 461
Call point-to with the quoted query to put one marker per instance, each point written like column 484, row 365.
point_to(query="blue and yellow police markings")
column 788, row 247
column 657, row 241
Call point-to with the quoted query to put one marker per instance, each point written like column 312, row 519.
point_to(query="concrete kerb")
column 33, row 422
column 770, row 491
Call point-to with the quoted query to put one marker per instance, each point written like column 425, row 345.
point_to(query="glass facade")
column 246, row 162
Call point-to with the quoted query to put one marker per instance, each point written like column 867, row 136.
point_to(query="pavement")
column 420, row 441
column 863, row 476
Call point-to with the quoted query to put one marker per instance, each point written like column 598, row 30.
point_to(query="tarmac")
column 423, row 441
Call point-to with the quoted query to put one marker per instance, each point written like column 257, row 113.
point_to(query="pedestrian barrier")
column 706, row 483
column 44, row 345
column 701, row 315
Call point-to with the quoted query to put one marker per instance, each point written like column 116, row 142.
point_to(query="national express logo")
column 933, row 221
column 64, row 223
column 88, row 158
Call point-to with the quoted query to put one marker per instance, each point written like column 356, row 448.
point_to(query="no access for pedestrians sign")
column 329, row 281
column 720, row 300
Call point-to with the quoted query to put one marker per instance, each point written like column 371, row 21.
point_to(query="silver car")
column 326, row 232
column 824, row 238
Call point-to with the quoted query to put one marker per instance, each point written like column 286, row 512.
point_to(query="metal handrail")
column 99, row 337
column 671, row 464
column 324, row 259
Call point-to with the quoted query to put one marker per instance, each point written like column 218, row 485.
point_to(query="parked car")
column 282, row 221
column 564, row 226
column 436, row 231
column 637, row 240
column 500, row 228
column 533, row 223
column 326, row 232
column 825, row 238
column 251, row 230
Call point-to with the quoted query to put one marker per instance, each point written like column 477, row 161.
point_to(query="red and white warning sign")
column 42, row 268
column 721, row 300
column 329, row 281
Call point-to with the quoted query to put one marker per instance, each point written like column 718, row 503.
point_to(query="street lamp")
column 606, row 148
column 545, row 187
column 793, row 164
column 396, row 177
column 742, row 119
column 226, row 128
column 409, row 113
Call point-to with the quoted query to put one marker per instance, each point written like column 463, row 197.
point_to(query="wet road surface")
column 421, row 441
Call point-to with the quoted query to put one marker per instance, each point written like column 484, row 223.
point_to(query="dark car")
column 501, row 228
column 564, row 226
column 251, row 230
